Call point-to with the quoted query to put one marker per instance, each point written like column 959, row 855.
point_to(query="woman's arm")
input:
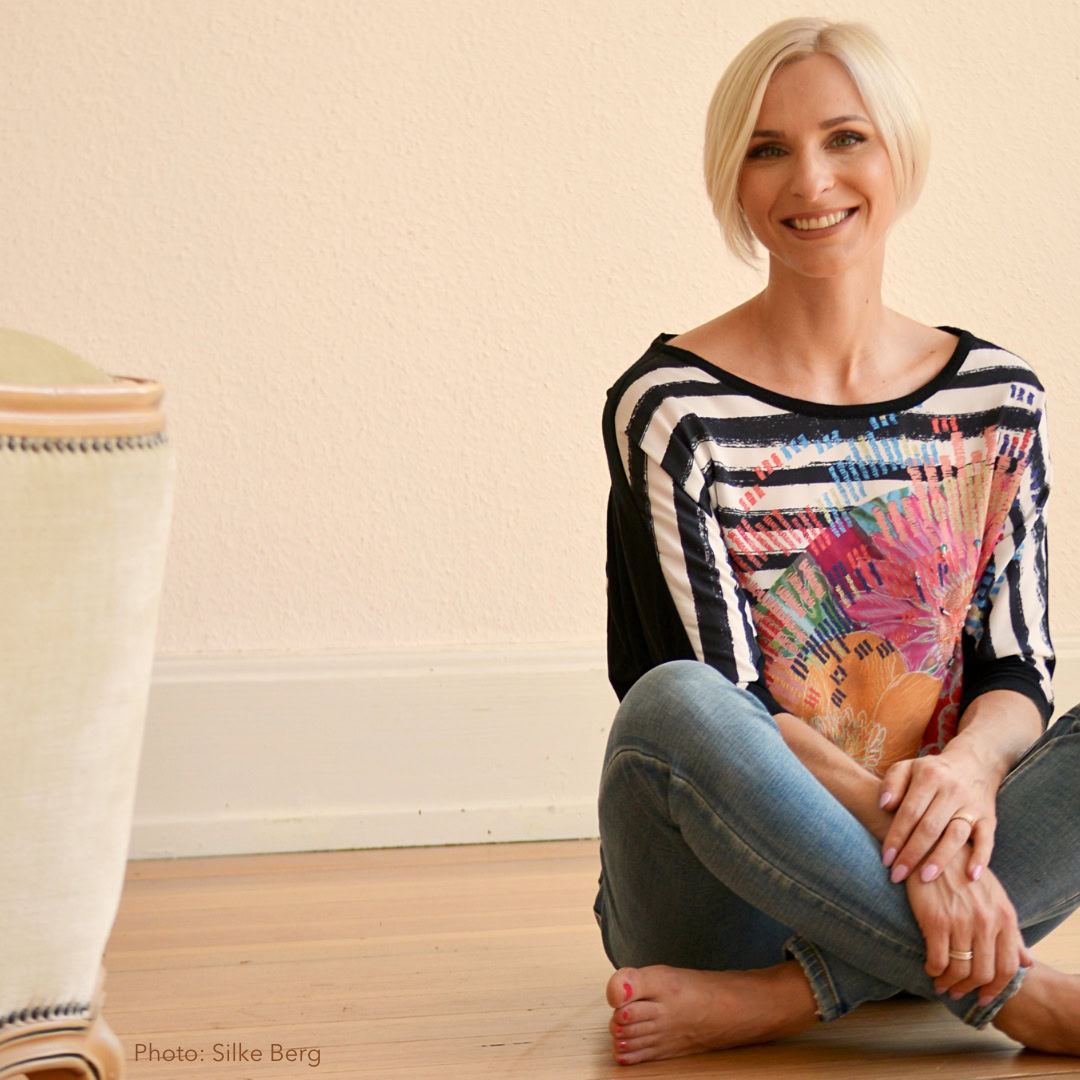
column 996, row 728
column 849, row 783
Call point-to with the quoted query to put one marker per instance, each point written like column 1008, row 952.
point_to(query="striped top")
column 869, row 568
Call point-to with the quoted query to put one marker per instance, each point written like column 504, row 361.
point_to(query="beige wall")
column 387, row 257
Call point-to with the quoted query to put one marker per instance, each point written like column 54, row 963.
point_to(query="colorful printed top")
column 869, row 568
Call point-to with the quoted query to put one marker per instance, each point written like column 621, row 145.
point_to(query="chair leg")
column 63, row 1048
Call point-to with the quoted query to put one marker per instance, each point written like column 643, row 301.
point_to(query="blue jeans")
column 721, row 850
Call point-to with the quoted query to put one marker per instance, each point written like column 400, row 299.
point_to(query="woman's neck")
column 831, row 331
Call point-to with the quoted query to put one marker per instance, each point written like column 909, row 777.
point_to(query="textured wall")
column 387, row 257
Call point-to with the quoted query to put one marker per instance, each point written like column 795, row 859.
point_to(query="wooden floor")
column 463, row 962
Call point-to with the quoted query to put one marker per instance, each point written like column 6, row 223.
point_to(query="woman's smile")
column 813, row 227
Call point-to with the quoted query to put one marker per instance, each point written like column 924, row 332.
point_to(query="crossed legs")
column 723, row 856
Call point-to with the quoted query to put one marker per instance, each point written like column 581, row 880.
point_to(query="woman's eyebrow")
column 770, row 133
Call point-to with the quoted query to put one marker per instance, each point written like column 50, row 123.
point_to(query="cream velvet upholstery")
column 84, row 523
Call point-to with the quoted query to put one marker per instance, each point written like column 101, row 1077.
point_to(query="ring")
column 964, row 817
column 957, row 955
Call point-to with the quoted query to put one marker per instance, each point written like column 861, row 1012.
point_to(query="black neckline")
column 821, row 408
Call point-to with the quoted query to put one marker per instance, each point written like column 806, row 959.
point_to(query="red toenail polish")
column 622, row 1046
column 618, row 1030
column 622, row 1061
column 628, row 990
column 625, row 1015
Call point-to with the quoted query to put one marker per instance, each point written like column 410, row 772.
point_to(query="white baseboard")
column 383, row 750
column 376, row 750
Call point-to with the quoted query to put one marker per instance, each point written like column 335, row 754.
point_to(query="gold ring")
column 957, row 955
column 963, row 817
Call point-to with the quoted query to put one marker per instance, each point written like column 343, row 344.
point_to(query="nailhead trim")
column 45, row 1012
column 126, row 442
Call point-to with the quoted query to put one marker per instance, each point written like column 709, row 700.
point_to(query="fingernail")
column 625, row 1015
column 985, row 1000
column 939, row 989
column 628, row 990
column 929, row 872
column 899, row 873
column 975, row 874
column 886, row 798
column 956, row 995
column 889, row 855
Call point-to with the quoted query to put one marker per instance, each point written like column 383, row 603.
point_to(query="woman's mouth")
column 819, row 224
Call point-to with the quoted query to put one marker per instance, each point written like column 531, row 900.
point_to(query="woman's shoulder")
column 995, row 360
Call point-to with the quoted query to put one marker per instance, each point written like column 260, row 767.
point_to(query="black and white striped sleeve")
column 664, row 455
column 1011, row 648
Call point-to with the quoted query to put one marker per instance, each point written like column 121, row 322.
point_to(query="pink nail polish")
column 899, row 873
column 975, row 873
column 628, row 991
column 985, row 1000
column 929, row 872
column 889, row 855
column 886, row 798
column 956, row 995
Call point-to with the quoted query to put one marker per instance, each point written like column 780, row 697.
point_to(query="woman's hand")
column 963, row 916
column 941, row 802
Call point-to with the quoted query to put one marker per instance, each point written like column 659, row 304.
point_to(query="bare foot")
column 663, row 1012
column 1043, row 1014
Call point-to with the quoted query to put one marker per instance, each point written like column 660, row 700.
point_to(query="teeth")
column 820, row 223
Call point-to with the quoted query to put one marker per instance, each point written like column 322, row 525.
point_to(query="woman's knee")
column 677, row 694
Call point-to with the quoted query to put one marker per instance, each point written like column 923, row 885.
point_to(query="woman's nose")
column 811, row 175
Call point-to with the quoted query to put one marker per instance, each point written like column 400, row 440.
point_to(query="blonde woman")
column 831, row 777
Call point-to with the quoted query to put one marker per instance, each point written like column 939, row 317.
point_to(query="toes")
column 637, row 1012
column 634, row 1051
column 631, row 1030
column 621, row 986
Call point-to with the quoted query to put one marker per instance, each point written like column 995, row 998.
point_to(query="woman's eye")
column 762, row 151
column 851, row 135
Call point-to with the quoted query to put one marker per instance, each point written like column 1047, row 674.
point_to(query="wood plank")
column 446, row 962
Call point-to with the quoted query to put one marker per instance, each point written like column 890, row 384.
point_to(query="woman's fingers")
column 1007, row 957
column 957, row 971
column 937, row 951
column 930, row 827
column 953, row 839
column 982, row 839
column 983, row 967
column 910, row 813
column 894, row 784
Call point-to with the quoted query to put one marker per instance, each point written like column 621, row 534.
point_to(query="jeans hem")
column 978, row 1016
column 829, row 1005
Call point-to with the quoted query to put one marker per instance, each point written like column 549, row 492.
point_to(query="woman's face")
column 815, row 155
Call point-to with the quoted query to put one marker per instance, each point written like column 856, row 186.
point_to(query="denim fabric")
column 720, row 850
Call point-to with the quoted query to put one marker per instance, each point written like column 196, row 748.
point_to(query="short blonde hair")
column 890, row 98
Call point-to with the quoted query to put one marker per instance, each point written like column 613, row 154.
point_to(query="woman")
column 830, row 778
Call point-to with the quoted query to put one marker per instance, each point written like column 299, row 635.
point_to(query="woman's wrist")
column 856, row 788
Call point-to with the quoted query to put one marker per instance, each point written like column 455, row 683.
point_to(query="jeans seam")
column 1027, row 760
column 870, row 930
column 1063, row 907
